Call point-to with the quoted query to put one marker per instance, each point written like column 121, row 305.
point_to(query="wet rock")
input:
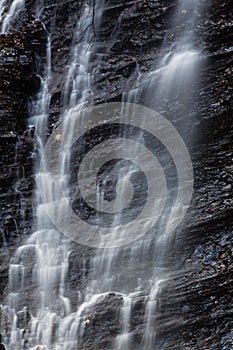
column 104, row 323
column 197, row 303
column 16, row 67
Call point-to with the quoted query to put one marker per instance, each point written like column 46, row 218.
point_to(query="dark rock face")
column 18, row 84
column 195, row 307
column 16, row 140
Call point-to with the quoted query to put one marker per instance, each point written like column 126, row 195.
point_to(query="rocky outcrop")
column 16, row 167
column 195, row 308
column 18, row 84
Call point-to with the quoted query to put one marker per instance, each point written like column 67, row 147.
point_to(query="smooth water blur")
column 39, row 270
column 3, row 5
column 7, row 18
column 38, row 273
column 172, row 81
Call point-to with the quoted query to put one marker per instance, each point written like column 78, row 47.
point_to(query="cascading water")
column 47, row 271
column 78, row 86
column 44, row 261
column 3, row 4
column 14, row 9
column 123, row 340
column 171, row 81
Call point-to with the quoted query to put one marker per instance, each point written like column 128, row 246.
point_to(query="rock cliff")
column 195, row 307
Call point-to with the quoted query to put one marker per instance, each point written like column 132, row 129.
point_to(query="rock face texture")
column 18, row 85
column 195, row 307
column 16, row 165
column 16, row 144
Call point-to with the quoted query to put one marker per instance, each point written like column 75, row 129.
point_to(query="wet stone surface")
column 195, row 307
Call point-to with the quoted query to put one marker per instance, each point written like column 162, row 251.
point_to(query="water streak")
column 43, row 262
column 15, row 8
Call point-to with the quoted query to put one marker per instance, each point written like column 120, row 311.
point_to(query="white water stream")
column 43, row 262
column 7, row 18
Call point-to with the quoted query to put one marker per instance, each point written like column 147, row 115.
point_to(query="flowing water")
column 43, row 262
column 7, row 18
column 3, row 4
column 172, row 80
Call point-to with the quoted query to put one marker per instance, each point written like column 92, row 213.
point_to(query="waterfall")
column 49, row 306
column 15, row 8
column 172, row 80
column 39, row 269
column 3, row 4
column 123, row 340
